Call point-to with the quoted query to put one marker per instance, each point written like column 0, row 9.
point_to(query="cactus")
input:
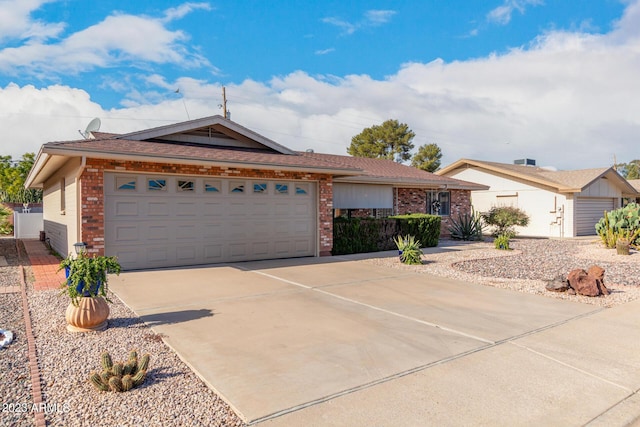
column 97, row 382
column 130, row 368
column 107, row 363
column 138, row 378
column 143, row 364
column 120, row 376
column 115, row 383
column 117, row 369
column 105, row 375
column 127, row 383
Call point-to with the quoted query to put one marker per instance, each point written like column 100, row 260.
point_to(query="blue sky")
column 493, row 80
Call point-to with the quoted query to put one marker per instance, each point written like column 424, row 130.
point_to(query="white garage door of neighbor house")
column 165, row 221
column 588, row 213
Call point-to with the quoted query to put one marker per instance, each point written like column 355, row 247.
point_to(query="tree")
column 391, row 140
column 13, row 174
column 504, row 219
column 629, row 170
column 427, row 158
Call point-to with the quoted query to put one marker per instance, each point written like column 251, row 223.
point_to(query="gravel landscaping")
column 529, row 265
column 173, row 395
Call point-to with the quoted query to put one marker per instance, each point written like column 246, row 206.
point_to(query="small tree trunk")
column 622, row 247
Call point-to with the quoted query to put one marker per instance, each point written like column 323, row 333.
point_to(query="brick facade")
column 92, row 194
column 414, row 200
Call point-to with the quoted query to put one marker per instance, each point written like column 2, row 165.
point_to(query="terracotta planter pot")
column 90, row 315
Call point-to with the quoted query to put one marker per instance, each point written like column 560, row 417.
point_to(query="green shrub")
column 425, row 228
column 5, row 226
column 622, row 223
column 409, row 247
column 467, row 226
column 504, row 219
column 502, row 242
column 356, row 235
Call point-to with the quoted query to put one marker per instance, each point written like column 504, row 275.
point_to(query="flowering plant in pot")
column 87, row 285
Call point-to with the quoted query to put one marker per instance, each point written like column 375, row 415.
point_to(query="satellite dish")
column 93, row 126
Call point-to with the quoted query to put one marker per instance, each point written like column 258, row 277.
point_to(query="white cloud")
column 324, row 51
column 371, row 18
column 184, row 9
column 568, row 100
column 377, row 17
column 118, row 39
column 502, row 14
column 16, row 21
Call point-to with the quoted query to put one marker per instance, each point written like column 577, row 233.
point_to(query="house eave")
column 110, row 155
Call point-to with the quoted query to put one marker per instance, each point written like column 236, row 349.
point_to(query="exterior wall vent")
column 525, row 162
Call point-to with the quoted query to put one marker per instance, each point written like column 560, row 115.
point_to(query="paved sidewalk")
column 44, row 266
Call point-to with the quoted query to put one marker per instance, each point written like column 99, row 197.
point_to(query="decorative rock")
column 557, row 286
column 5, row 338
column 587, row 284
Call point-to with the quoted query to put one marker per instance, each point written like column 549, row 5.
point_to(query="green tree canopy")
column 427, row 158
column 13, row 174
column 629, row 170
column 391, row 140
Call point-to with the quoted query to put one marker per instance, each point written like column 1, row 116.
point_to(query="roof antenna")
column 183, row 103
column 93, row 126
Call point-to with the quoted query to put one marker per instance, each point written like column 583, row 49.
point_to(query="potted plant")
column 87, row 285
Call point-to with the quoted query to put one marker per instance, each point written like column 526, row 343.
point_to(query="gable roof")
column 572, row 181
column 216, row 141
column 635, row 183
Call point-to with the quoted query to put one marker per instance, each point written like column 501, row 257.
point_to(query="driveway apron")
column 292, row 341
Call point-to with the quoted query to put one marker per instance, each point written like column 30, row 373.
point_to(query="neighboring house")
column 559, row 203
column 636, row 184
column 210, row 191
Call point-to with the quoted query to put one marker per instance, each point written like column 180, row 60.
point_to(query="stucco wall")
column 61, row 226
column 551, row 214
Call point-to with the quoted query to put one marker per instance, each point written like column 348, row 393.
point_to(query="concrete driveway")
column 336, row 341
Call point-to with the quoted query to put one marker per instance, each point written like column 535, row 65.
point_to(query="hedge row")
column 356, row 235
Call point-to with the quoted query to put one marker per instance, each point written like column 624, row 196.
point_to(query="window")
column 302, row 189
column 125, row 183
column 212, row 186
column 156, row 184
column 236, row 187
column 260, row 187
column 282, row 188
column 438, row 203
column 186, row 185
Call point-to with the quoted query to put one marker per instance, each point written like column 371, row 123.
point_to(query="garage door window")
column 212, row 186
column 186, row 185
column 302, row 189
column 236, row 187
column 157, row 184
column 282, row 188
column 260, row 187
column 125, row 183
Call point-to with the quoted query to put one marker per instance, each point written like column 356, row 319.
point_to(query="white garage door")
column 162, row 221
column 589, row 212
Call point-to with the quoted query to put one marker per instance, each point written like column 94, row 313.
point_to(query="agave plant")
column 467, row 227
column 409, row 247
